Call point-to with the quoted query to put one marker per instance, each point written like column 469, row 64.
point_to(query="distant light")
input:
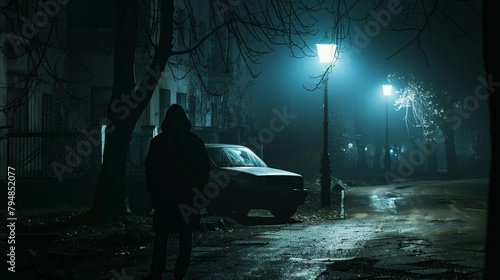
column 349, row 145
column 326, row 50
column 387, row 89
column 103, row 140
column 366, row 149
column 391, row 150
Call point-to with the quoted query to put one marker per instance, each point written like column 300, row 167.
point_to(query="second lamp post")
column 326, row 53
column 387, row 89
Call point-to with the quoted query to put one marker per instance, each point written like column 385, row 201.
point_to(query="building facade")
column 51, row 103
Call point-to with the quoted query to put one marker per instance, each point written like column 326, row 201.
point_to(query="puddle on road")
column 207, row 249
column 386, row 203
column 319, row 260
column 417, row 245
column 208, row 252
column 250, row 242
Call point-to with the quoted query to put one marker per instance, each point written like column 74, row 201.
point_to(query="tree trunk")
column 361, row 160
column 126, row 106
column 361, row 152
column 451, row 154
column 432, row 165
column 376, row 158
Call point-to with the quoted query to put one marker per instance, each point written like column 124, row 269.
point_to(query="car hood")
column 260, row 171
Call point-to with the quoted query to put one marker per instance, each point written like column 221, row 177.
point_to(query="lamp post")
column 326, row 54
column 387, row 89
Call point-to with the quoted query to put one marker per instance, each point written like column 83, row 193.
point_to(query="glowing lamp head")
column 387, row 89
column 326, row 50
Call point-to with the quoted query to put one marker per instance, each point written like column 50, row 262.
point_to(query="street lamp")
column 387, row 89
column 326, row 54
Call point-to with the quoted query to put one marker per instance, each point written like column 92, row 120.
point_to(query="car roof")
column 220, row 145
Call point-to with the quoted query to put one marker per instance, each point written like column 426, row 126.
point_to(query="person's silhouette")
column 176, row 164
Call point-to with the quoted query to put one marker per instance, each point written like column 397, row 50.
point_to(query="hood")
column 176, row 120
column 261, row 171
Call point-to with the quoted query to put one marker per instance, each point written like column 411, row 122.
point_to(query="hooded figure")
column 177, row 163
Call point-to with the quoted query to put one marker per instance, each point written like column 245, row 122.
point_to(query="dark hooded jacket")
column 176, row 164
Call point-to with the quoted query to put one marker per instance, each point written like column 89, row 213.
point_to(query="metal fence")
column 138, row 149
column 3, row 158
column 41, row 155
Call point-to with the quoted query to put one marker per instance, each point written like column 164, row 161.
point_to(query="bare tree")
column 411, row 23
column 416, row 20
column 255, row 27
column 227, row 109
column 427, row 110
column 172, row 40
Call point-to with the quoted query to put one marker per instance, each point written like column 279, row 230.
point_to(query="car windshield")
column 234, row 156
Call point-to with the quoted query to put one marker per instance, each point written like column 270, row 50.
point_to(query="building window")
column 215, row 115
column 47, row 112
column 181, row 100
column 99, row 100
column 164, row 103
column 192, row 109
column 17, row 102
column 145, row 118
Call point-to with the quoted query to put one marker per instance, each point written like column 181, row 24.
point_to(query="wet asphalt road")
column 414, row 230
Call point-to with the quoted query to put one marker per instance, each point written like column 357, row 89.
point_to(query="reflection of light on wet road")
column 385, row 203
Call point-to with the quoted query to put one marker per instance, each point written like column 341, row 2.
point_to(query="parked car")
column 245, row 182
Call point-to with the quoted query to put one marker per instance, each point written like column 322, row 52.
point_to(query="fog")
column 443, row 59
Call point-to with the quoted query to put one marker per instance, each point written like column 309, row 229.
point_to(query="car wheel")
column 284, row 212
